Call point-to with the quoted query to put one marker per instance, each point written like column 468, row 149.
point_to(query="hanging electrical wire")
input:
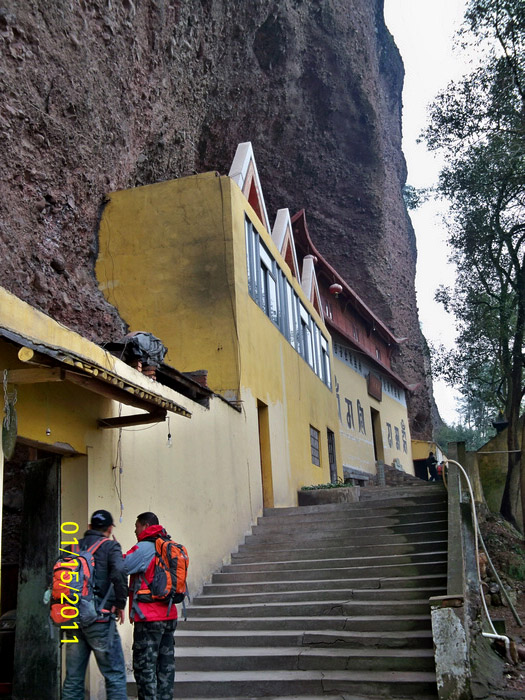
column 118, row 469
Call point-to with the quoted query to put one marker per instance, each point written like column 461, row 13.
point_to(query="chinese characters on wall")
column 354, row 419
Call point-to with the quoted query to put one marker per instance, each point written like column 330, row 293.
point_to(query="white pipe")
column 506, row 640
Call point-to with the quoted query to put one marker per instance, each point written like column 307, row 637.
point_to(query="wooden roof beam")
column 135, row 419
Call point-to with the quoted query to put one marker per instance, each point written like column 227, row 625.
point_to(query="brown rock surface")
column 103, row 95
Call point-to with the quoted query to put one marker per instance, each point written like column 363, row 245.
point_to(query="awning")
column 46, row 363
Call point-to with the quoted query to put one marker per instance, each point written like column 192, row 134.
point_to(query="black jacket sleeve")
column 117, row 575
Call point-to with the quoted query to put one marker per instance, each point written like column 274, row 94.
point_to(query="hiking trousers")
column 101, row 638
column 154, row 659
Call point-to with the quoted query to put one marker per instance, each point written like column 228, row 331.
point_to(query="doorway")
column 30, row 527
column 265, row 453
column 379, row 452
column 331, row 455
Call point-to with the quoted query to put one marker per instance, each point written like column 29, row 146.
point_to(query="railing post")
column 455, row 569
column 448, row 612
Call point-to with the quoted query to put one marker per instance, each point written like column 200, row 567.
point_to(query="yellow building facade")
column 195, row 263
column 191, row 261
column 371, row 398
column 205, row 485
column 372, row 428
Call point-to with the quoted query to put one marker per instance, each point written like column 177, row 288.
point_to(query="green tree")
column 414, row 197
column 479, row 124
column 456, row 432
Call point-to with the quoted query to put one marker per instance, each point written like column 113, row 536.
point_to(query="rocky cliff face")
column 109, row 94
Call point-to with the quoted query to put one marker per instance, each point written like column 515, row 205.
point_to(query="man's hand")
column 120, row 615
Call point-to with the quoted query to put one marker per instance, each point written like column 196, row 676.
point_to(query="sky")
column 423, row 31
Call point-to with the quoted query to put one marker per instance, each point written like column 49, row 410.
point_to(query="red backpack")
column 169, row 577
column 72, row 596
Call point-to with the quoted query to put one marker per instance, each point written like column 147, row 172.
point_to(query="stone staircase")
column 323, row 600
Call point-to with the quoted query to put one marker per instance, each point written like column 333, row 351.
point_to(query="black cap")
column 102, row 519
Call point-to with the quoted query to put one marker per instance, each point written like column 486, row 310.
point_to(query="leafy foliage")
column 336, row 485
column 473, row 437
column 414, row 197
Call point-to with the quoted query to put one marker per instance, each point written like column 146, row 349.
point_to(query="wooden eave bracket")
column 35, row 376
column 135, row 419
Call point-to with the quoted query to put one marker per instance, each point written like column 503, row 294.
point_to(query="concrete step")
column 324, row 562
column 247, row 555
column 307, row 609
column 374, row 583
column 300, row 658
column 365, row 623
column 407, row 520
column 324, row 638
column 359, row 518
column 389, row 570
column 349, row 510
column 342, row 594
column 396, row 500
column 264, row 683
column 386, row 493
column 322, row 601
column 350, row 534
column 350, row 537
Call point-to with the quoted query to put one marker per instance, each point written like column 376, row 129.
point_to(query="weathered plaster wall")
column 200, row 221
column 100, row 96
column 208, row 491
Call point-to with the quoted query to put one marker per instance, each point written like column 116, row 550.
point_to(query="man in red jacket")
column 153, row 623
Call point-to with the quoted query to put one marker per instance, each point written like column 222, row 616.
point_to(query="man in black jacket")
column 101, row 637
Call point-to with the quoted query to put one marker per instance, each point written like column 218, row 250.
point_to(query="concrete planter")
column 316, row 497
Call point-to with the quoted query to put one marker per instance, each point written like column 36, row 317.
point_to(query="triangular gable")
column 283, row 239
column 309, row 284
column 244, row 172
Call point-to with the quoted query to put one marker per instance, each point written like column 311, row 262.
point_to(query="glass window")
column 252, row 240
column 314, row 446
column 317, row 349
column 269, row 303
column 327, row 378
column 270, row 289
column 291, row 316
column 306, row 337
column 248, row 257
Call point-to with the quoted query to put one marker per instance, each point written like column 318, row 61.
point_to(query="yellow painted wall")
column 165, row 263
column 74, row 482
column 422, row 448
column 357, row 447
column 492, row 461
column 274, row 372
column 189, row 287
column 214, row 462
column 206, row 488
